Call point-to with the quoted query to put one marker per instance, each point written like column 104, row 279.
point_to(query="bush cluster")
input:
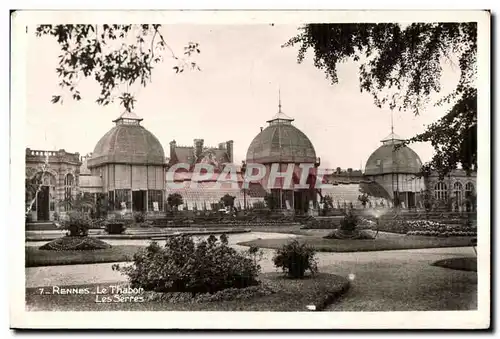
column 295, row 259
column 77, row 224
column 185, row 266
column 349, row 223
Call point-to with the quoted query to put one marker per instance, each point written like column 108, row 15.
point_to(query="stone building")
column 455, row 191
column 200, row 153
column 130, row 164
column 281, row 144
column 55, row 174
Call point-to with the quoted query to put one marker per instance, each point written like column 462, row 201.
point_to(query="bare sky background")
column 232, row 96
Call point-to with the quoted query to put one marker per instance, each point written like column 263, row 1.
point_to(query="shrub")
column 348, row 224
column 295, row 258
column 77, row 223
column 139, row 217
column 185, row 266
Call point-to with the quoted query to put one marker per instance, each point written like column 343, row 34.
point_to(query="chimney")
column 339, row 170
column 261, row 129
column 198, row 147
column 229, row 150
column 173, row 145
column 222, row 146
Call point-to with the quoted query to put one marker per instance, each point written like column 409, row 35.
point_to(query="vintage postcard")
column 250, row 170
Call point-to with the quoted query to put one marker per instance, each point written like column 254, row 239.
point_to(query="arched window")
column 441, row 191
column 469, row 196
column 68, row 185
column 469, row 189
column 457, row 192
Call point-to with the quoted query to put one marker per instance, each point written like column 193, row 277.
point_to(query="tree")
column 31, row 188
column 112, row 55
column 401, row 67
column 428, row 200
column 328, row 201
column 228, row 201
column 271, row 201
column 80, row 203
column 175, row 200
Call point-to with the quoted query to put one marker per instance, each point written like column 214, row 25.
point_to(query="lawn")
column 383, row 242
column 291, row 295
column 36, row 257
column 462, row 264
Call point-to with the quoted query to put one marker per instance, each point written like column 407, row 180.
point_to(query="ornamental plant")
column 295, row 259
column 182, row 265
column 348, row 224
column 77, row 224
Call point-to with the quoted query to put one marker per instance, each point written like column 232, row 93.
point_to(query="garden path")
column 384, row 280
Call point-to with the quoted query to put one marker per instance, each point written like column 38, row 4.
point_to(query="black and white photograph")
column 258, row 170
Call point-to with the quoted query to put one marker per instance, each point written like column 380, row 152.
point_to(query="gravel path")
column 405, row 281
column 381, row 281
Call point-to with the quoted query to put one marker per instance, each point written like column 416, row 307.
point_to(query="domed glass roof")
column 386, row 160
column 281, row 142
column 128, row 143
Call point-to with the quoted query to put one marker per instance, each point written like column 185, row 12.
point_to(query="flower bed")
column 427, row 228
column 75, row 244
column 221, row 221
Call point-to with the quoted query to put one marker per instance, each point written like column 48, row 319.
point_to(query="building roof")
column 183, row 154
column 128, row 143
column 387, row 160
column 281, row 142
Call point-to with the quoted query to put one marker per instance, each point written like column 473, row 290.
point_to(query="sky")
column 236, row 91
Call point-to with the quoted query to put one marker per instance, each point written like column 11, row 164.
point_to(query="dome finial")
column 279, row 100
column 392, row 121
column 128, row 118
column 280, row 116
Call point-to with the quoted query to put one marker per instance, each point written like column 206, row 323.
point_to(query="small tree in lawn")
column 228, row 201
column 328, row 201
column 428, row 201
column 271, row 201
column 174, row 200
column 295, row 259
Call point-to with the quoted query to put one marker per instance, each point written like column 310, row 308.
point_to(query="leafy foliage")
column 401, row 67
column 79, row 202
column 328, row 201
column 112, row 55
column 363, row 198
column 271, row 201
column 139, row 217
column 175, row 200
column 185, row 266
column 77, row 223
column 295, row 258
column 228, row 201
column 349, row 222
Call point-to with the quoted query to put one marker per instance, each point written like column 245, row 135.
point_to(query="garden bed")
column 288, row 296
column 35, row 257
column 75, row 244
column 383, row 242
